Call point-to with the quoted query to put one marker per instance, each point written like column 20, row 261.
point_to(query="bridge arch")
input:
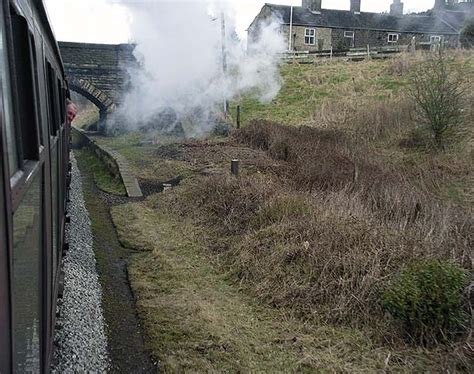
column 98, row 72
column 94, row 95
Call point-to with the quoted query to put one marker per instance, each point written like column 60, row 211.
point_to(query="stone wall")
column 325, row 38
column 114, row 162
column 322, row 38
column 81, row 140
column 102, row 65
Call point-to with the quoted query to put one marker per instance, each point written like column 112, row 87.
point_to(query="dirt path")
column 125, row 340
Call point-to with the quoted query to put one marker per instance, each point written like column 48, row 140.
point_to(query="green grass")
column 306, row 87
column 142, row 159
column 86, row 118
column 103, row 179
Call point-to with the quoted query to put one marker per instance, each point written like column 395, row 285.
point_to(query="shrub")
column 427, row 298
column 467, row 34
column 437, row 93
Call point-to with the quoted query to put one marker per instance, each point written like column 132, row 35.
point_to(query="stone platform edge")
column 115, row 163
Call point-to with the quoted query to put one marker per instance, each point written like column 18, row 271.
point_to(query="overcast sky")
column 106, row 21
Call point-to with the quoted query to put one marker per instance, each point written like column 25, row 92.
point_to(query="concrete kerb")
column 115, row 162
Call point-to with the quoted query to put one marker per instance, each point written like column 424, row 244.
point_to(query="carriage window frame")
column 62, row 102
column 26, row 109
column 53, row 100
column 35, row 82
column 13, row 150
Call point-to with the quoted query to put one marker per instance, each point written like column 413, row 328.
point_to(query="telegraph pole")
column 224, row 61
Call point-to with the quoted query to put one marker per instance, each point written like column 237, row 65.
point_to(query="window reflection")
column 54, row 196
column 26, row 281
column 5, row 92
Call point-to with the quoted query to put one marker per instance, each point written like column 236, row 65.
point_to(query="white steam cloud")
column 179, row 48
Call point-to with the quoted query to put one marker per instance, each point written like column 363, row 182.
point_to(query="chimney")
column 396, row 9
column 313, row 5
column 355, row 6
column 440, row 4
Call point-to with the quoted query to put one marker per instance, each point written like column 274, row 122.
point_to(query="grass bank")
column 198, row 318
column 103, row 179
column 319, row 224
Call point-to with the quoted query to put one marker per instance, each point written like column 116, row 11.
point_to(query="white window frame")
column 310, row 33
column 435, row 39
column 349, row 34
column 393, row 38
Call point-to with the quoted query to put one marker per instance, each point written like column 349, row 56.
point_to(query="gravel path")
column 80, row 330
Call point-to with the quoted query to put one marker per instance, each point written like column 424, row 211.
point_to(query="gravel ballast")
column 80, row 339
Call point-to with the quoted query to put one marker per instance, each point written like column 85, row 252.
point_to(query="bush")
column 427, row 298
column 467, row 34
column 437, row 93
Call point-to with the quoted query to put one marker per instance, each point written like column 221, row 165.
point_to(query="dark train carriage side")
column 34, row 149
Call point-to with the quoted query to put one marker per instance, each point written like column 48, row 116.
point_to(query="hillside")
column 289, row 267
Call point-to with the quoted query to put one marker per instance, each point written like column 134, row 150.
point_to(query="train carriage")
column 34, row 167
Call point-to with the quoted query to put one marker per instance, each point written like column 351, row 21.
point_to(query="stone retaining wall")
column 115, row 163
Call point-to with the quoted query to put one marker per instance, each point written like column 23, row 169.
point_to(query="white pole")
column 290, row 42
column 224, row 59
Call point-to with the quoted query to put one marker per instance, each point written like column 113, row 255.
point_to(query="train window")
column 36, row 82
column 5, row 91
column 54, row 209
column 53, row 100
column 26, row 280
column 62, row 103
column 27, row 113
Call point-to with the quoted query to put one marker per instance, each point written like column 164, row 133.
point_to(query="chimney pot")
column 355, row 6
column 313, row 5
column 396, row 9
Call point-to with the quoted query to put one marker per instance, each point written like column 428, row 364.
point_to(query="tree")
column 437, row 92
column 467, row 34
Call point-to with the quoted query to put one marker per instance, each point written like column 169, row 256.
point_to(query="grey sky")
column 106, row 21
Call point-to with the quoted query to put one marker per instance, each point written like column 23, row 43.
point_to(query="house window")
column 349, row 38
column 310, row 36
column 393, row 38
column 435, row 39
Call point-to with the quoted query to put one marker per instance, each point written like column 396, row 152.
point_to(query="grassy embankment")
column 102, row 178
column 283, row 269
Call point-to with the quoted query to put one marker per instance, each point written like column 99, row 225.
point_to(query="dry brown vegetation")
column 322, row 217
column 324, row 235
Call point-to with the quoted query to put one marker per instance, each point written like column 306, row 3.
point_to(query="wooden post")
column 331, row 51
column 234, row 168
column 238, row 116
column 368, row 50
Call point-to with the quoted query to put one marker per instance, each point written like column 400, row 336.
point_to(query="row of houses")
column 311, row 28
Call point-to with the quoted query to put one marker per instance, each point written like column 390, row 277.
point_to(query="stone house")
column 314, row 29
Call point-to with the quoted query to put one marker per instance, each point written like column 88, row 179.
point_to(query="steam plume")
column 179, row 48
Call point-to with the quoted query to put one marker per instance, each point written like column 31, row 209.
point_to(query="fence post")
column 234, row 167
column 331, row 52
column 368, row 50
column 238, row 116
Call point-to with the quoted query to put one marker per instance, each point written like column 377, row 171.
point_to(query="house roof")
column 374, row 21
column 456, row 19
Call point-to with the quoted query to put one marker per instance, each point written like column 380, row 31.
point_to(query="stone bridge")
column 98, row 72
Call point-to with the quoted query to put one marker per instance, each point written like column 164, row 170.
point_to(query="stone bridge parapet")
column 99, row 72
